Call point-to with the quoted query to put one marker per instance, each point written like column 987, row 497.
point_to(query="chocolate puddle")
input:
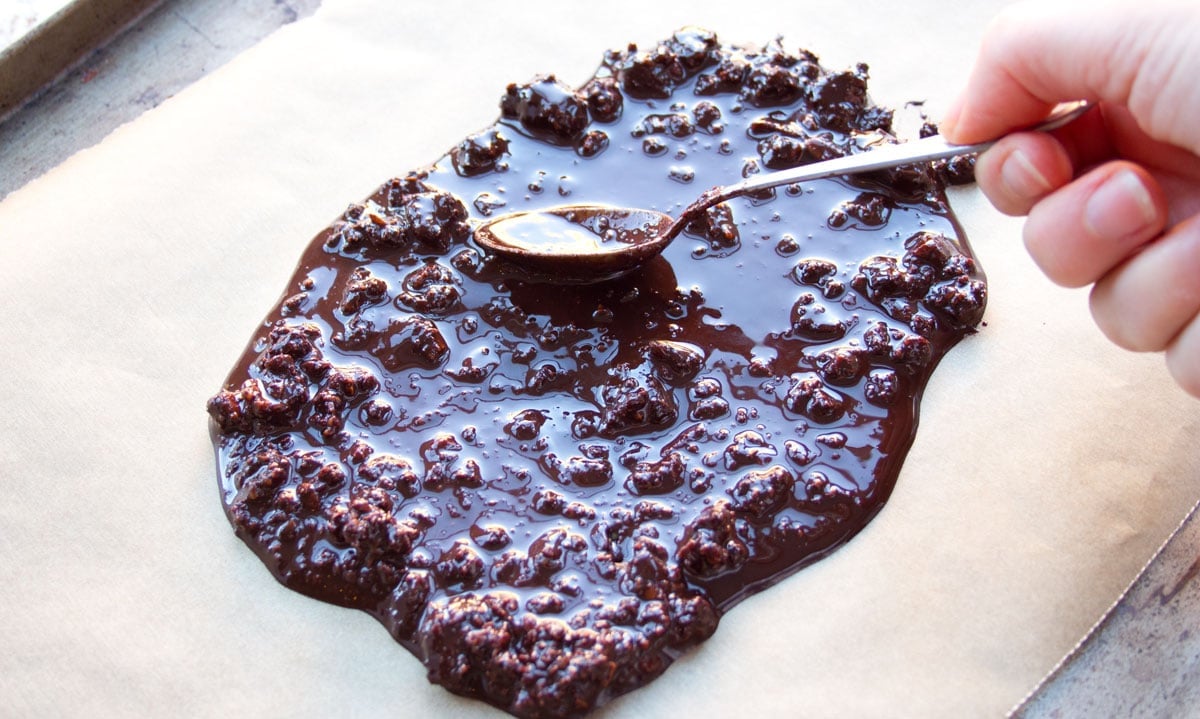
column 547, row 493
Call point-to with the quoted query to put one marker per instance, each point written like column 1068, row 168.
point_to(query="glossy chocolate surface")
column 547, row 493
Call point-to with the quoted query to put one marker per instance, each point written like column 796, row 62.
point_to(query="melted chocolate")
column 547, row 493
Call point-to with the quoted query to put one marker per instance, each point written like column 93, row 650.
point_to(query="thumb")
column 1035, row 54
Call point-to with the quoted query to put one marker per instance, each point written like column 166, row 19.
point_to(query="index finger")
column 1035, row 55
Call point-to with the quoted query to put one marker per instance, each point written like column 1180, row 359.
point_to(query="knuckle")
column 1123, row 328
column 1183, row 357
column 1052, row 258
column 1184, row 369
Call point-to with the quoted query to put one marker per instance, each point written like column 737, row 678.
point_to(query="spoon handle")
column 927, row 149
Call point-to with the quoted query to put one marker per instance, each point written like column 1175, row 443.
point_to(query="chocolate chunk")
column 479, row 153
column 661, row 477
column 727, row 76
column 604, row 99
column 435, row 219
column 711, row 545
column 635, row 402
column 772, row 85
column 762, row 492
column 841, row 99
column 653, row 74
column 675, row 362
column 811, row 398
column 546, row 109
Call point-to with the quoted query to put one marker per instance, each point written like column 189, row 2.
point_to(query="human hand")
column 1114, row 198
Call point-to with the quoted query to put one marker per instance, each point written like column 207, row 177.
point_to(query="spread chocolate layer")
column 548, row 492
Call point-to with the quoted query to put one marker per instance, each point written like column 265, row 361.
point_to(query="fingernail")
column 1120, row 208
column 1022, row 178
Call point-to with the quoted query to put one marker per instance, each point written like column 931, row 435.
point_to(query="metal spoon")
column 590, row 243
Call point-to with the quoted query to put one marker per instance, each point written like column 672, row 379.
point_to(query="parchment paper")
column 132, row 276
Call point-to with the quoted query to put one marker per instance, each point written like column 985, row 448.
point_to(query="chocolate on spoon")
column 578, row 244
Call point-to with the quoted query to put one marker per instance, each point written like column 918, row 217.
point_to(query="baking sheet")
column 1048, row 467
column 1143, row 657
column 58, row 42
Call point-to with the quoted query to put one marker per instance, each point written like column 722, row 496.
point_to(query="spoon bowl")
column 574, row 244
